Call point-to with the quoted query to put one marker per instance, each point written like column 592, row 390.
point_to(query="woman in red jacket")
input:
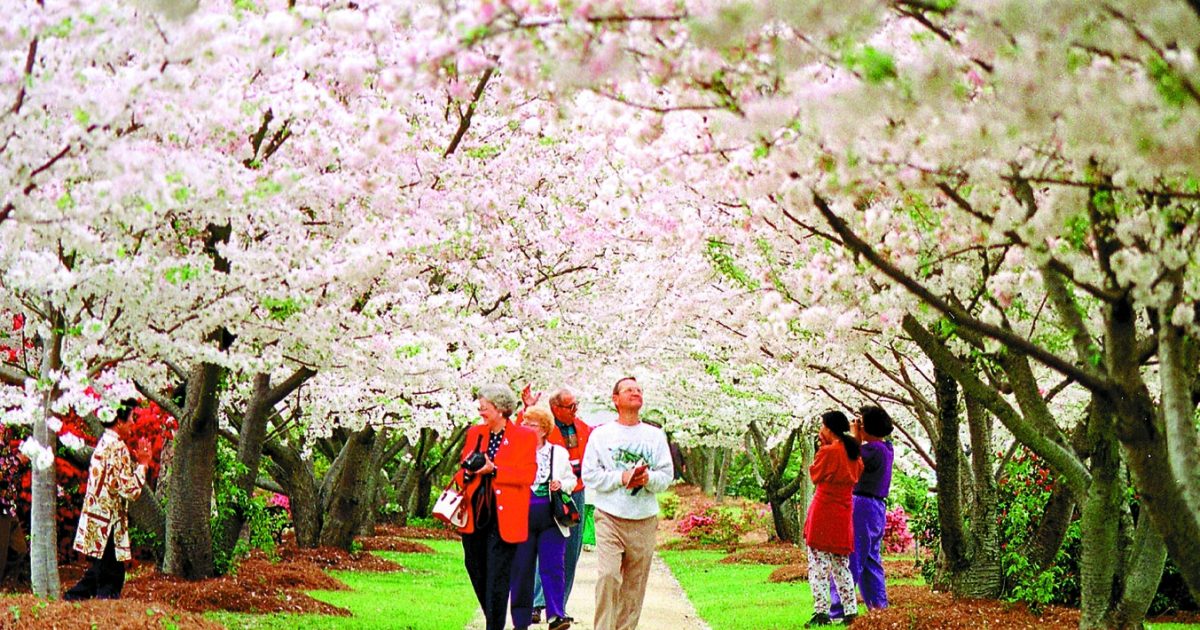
column 829, row 528
column 499, row 463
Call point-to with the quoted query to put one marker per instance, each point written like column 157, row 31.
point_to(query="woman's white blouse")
column 562, row 467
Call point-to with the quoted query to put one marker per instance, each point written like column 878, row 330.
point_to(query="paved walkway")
column 666, row 604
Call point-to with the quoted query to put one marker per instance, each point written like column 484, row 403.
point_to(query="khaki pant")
column 624, row 551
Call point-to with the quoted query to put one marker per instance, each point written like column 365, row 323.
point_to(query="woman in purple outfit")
column 871, row 426
column 543, row 550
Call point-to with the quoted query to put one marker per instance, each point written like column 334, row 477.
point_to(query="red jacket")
column 516, row 468
column 830, row 526
column 582, row 431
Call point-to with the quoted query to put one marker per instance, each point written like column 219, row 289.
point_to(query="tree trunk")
column 188, row 531
column 946, row 452
column 373, row 475
column 983, row 577
column 1148, row 556
column 1042, row 547
column 770, row 466
column 343, row 490
column 43, row 552
column 1142, row 432
column 726, row 455
column 786, row 519
column 250, row 443
column 710, row 471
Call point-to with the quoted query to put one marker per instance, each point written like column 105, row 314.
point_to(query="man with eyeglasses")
column 626, row 463
column 572, row 434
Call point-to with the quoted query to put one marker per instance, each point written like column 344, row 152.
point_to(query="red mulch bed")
column 421, row 533
column 259, row 586
column 393, row 543
column 798, row 571
column 33, row 613
column 919, row 607
column 331, row 558
column 770, row 553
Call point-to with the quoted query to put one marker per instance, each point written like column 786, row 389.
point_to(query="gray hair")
column 557, row 396
column 499, row 395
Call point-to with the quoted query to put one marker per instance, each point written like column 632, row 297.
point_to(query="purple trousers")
column 866, row 561
column 541, row 552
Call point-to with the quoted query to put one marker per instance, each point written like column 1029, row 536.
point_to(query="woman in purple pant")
column 543, row 550
column 870, row 509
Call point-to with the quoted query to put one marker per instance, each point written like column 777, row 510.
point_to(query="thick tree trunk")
column 1144, row 569
column 785, row 518
column 343, row 491
column 305, row 499
column 946, row 451
column 1142, row 433
column 374, row 476
column 983, row 577
column 43, row 552
column 188, row 530
column 295, row 475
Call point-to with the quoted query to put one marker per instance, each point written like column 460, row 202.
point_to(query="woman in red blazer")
column 829, row 528
column 499, row 463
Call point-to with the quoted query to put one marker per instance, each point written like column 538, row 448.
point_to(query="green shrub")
column 668, row 505
column 263, row 524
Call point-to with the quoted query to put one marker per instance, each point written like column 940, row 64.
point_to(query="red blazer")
column 516, row 468
column 830, row 526
column 582, row 432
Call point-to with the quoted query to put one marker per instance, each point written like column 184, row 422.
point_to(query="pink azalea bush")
column 896, row 537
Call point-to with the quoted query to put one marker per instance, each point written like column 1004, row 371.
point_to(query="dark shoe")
column 536, row 617
column 560, row 623
column 818, row 619
column 848, row 619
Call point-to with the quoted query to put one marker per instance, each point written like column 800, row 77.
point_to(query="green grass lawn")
column 738, row 596
column 434, row 594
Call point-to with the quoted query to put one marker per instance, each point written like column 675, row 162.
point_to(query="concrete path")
column 666, row 604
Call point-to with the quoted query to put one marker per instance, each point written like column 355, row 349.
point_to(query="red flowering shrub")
column 150, row 422
column 716, row 526
column 896, row 537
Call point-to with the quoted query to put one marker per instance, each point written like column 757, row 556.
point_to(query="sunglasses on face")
column 573, row 406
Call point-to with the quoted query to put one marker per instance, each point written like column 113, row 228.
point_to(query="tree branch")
column 1093, row 382
column 464, row 122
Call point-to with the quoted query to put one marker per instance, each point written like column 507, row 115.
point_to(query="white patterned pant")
column 821, row 566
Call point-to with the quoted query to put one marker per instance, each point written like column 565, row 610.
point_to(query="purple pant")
column 541, row 552
column 866, row 561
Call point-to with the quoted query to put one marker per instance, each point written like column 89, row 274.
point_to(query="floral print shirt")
column 112, row 482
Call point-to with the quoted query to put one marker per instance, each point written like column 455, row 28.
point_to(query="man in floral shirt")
column 103, row 533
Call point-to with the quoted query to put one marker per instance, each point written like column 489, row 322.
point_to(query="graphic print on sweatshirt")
column 630, row 456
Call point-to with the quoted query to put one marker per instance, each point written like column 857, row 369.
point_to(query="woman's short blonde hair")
column 537, row 417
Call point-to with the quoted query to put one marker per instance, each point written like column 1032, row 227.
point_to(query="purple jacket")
column 876, row 480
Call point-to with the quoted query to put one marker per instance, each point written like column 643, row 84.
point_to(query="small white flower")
column 106, row 415
column 72, row 441
column 40, row 456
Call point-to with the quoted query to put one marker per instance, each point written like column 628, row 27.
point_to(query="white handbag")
column 450, row 507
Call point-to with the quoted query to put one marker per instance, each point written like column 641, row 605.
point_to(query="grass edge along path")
column 738, row 596
column 432, row 593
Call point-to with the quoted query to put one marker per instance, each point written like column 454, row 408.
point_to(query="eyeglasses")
column 573, row 406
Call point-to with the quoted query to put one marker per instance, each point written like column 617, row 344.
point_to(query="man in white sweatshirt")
column 625, row 464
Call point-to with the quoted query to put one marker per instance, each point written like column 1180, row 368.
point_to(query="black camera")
column 474, row 462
